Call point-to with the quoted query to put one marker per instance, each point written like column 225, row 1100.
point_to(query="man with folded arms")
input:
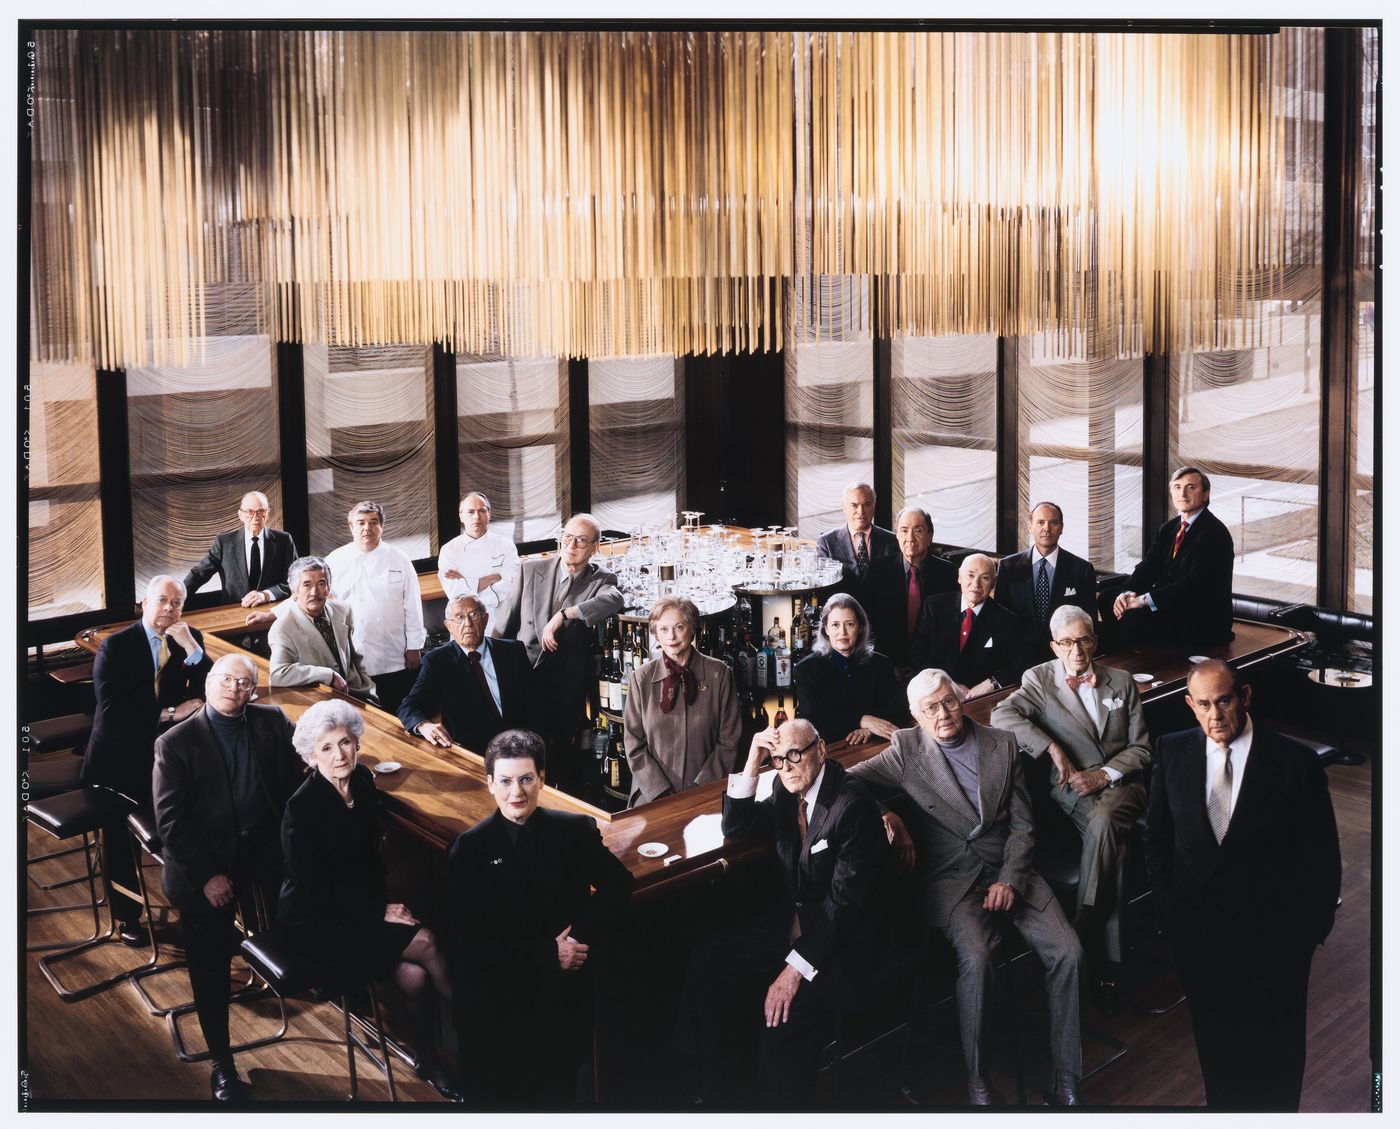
column 478, row 562
column 1089, row 719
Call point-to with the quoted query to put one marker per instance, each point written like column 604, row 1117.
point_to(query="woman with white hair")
column 334, row 906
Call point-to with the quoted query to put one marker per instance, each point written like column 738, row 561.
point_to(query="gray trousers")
column 1104, row 821
column 972, row 932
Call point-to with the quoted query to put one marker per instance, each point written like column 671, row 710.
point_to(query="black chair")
column 55, row 734
column 45, row 778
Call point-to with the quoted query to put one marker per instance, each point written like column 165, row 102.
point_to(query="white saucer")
column 386, row 767
column 1196, row 658
column 652, row 850
column 1142, row 678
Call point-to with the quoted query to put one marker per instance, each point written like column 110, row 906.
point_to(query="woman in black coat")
column 334, row 906
column 846, row 688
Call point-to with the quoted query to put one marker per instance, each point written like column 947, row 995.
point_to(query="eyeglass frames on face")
column 949, row 704
column 228, row 680
column 791, row 757
column 1083, row 641
column 574, row 539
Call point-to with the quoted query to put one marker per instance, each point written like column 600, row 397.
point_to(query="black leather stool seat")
column 52, row 776
column 79, row 812
column 143, row 826
column 275, row 961
column 67, row 732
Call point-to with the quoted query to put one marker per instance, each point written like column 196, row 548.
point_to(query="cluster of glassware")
column 708, row 563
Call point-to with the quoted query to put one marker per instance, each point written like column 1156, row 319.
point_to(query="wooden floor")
column 107, row 1051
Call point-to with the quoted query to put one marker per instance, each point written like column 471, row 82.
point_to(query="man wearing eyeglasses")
column 1242, row 854
column 221, row 780
column 251, row 562
column 477, row 686
column 821, row 946
column 973, row 837
column 1089, row 720
column 555, row 603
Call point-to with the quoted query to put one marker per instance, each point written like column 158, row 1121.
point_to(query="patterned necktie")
column 323, row 625
column 966, row 628
column 560, row 594
column 1180, row 536
column 1042, row 592
column 1075, row 681
column 862, row 553
column 255, row 567
column 1220, row 789
column 801, row 821
column 916, row 600
column 162, row 657
column 474, row 661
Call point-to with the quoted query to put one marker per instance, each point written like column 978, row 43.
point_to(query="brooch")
column 702, row 686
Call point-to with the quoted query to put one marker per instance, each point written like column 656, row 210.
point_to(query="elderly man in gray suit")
column 973, row 841
column 315, row 640
column 1089, row 719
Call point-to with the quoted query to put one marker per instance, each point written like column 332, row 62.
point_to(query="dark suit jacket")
column 885, row 597
column 1274, row 880
column 836, row 544
column 194, row 805
column 1074, row 582
column 835, row 704
column 996, row 648
column 1193, row 592
column 446, row 685
column 130, row 713
column 226, row 557
column 836, row 892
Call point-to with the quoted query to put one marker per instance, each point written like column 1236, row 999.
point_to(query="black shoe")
column 436, row 1077
column 225, row 1084
column 977, row 1092
column 1105, row 997
column 1066, row 1091
column 133, row 934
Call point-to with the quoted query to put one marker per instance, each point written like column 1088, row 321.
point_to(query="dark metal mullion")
column 114, row 478
column 291, row 433
column 580, row 446
column 446, row 457
column 1010, row 455
column 883, row 469
column 1158, row 442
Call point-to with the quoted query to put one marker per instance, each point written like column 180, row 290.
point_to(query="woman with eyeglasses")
column 846, row 688
column 682, row 724
column 334, row 907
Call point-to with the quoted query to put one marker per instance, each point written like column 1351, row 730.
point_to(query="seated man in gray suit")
column 859, row 541
column 314, row 641
column 973, row 841
column 251, row 562
column 554, row 605
column 1089, row 719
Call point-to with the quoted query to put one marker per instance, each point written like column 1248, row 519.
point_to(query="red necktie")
column 1180, row 536
column 474, row 661
column 916, row 600
column 1075, row 681
column 966, row 628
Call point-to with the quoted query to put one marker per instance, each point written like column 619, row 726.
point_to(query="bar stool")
column 276, row 964
column 71, row 731
column 43, row 780
column 82, row 813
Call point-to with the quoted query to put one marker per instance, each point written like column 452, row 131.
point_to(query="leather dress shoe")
column 1105, row 996
column 977, row 1092
column 1066, row 1091
column 133, row 934
column 225, row 1084
column 436, row 1077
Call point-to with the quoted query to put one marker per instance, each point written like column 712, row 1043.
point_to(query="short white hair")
column 306, row 564
column 319, row 720
column 591, row 520
column 925, row 683
column 967, row 560
column 248, row 664
column 1066, row 614
column 801, row 725
column 165, row 578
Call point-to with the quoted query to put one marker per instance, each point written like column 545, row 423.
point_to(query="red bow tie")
column 1074, row 681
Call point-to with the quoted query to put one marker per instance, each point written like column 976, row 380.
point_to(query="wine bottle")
column 781, row 715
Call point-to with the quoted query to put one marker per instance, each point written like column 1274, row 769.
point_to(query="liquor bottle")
column 781, row 715
column 801, row 639
column 619, row 775
column 604, row 682
column 748, row 659
column 782, row 666
column 775, row 633
column 600, row 743
column 760, row 712
column 642, row 645
column 812, row 613
column 763, row 668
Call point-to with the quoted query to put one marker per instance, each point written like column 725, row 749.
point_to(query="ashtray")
column 652, row 850
column 1196, row 658
column 386, row 767
column 1142, row 678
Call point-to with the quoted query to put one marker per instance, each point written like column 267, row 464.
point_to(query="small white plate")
column 1196, row 658
column 652, row 850
column 1142, row 678
column 386, row 767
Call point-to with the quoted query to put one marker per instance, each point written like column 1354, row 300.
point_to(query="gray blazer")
column 690, row 745
column 299, row 655
column 528, row 609
column 955, row 846
column 1044, row 709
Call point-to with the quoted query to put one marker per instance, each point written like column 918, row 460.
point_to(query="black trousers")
column 119, row 866
column 392, row 688
column 721, row 1018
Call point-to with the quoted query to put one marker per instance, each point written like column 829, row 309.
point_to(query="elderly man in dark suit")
column 554, row 605
column 314, row 641
column 897, row 585
column 146, row 677
column 1182, row 590
column 221, row 780
column 478, row 686
column 973, row 838
column 1089, row 719
column 981, row 643
column 538, row 894
column 1242, row 854
column 821, row 946
column 1036, row 581
column 859, row 541
column 251, row 562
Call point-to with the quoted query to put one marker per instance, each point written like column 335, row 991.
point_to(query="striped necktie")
column 1220, row 788
column 162, row 657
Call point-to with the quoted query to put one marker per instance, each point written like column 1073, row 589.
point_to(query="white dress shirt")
column 382, row 590
column 475, row 557
column 1089, row 695
column 1239, row 753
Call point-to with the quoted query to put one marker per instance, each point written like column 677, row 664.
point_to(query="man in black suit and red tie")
column 1037, row 580
column 1242, row 854
column 1182, row 590
column 251, row 562
column 479, row 686
column 981, row 644
column 897, row 585
column 859, row 541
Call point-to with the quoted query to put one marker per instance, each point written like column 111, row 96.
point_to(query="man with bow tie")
column 823, row 945
column 1088, row 718
column 1242, row 853
column 979, row 641
column 859, row 541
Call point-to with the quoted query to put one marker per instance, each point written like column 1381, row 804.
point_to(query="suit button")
column 799, row 905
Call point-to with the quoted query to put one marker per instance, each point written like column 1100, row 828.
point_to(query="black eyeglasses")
column 777, row 760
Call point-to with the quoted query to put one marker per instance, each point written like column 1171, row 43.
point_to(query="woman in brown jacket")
column 682, row 723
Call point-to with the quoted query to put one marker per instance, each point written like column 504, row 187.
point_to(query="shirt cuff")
column 1147, row 599
column 195, row 657
column 794, row 958
column 742, row 787
column 1112, row 773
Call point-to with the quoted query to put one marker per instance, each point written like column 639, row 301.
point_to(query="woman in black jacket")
column 846, row 688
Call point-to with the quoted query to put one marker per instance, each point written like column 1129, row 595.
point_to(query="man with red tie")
column 1181, row 591
column 897, row 585
column 979, row 642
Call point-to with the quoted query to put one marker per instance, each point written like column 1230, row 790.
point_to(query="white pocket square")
column 820, row 845
column 1071, row 592
column 987, row 644
column 1113, row 703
